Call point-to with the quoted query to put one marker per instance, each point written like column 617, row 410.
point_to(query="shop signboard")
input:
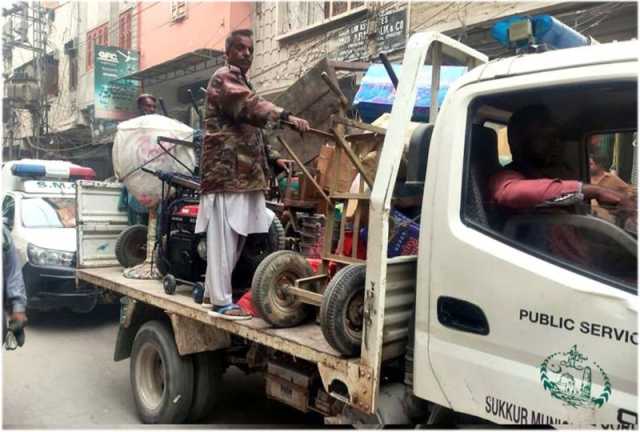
column 115, row 98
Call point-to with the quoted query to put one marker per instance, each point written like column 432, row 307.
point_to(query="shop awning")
column 182, row 65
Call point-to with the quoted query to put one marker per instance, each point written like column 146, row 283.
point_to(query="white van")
column 39, row 208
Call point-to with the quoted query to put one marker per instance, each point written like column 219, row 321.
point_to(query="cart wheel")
column 169, row 284
column 342, row 309
column 161, row 380
column 197, row 293
column 131, row 246
column 275, row 271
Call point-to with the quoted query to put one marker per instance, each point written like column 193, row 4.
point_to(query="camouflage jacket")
column 235, row 153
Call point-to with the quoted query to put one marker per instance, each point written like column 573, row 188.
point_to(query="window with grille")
column 297, row 16
column 124, row 30
column 97, row 36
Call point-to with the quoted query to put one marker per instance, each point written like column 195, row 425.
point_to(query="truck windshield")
column 49, row 213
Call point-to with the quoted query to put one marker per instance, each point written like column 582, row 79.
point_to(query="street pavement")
column 64, row 376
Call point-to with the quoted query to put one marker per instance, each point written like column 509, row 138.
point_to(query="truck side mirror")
column 418, row 155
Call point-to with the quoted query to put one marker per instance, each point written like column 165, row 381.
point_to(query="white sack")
column 136, row 142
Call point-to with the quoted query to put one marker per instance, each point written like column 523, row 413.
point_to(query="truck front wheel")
column 161, row 380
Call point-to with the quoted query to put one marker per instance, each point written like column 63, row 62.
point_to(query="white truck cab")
column 39, row 208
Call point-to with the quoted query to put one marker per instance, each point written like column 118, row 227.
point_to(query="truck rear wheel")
column 274, row 273
column 161, row 380
column 208, row 368
column 131, row 246
column 342, row 310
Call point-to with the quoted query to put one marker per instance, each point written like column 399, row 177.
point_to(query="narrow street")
column 64, row 377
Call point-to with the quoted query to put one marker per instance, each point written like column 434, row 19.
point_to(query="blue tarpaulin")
column 376, row 93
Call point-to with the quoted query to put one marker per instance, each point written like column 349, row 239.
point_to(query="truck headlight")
column 202, row 248
column 49, row 257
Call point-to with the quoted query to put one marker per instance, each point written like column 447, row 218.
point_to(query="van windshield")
column 49, row 212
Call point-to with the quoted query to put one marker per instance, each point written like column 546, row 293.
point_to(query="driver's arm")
column 511, row 189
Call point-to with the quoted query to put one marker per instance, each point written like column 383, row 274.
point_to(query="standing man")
column 13, row 291
column 234, row 169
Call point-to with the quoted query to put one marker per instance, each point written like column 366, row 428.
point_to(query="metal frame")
column 376, row 284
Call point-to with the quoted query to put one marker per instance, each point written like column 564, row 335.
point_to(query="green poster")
column 115, row 98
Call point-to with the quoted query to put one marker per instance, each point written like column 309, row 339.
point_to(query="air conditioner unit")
column 27, row 92
column 178, row 9
column 71, row 46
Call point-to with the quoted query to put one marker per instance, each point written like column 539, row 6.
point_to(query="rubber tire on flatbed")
column 131, row 246
column 208, row 368
column 277, row 310
column 154, row 342
column 256, row 248
column 346, row 287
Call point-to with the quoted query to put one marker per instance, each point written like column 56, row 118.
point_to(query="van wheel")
column 131, row 246
column 342, row 309
column 161, row 380
column 274, row 272
column 208, row 368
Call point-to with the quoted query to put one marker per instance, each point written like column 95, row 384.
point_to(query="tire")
column 341, row 311
column 169, row 284
column 256, row 248
column 208, row 368
column 276, row 308
column 131, row 246
column 161, row 380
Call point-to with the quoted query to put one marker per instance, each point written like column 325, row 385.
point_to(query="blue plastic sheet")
column 376, row 93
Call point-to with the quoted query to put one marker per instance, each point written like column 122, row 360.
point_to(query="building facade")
column 290, row 37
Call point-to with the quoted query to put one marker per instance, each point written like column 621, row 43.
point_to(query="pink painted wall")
column 206, row 26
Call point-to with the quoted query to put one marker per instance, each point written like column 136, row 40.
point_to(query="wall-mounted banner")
column 115, row 98
column 391, row 31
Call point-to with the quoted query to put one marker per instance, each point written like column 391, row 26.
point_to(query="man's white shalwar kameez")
column 228, row 218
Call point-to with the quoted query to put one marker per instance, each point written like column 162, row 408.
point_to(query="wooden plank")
column 304, row 169
column 350, row 195
column 342, row 228
column 343, row 259
column 333, row 86
column 354, row 158
column 359, row 125
column 304, row 341
column 311, row 278
column 306, row 296
column 349, row 66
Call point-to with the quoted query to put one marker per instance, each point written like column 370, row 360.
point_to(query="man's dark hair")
column 234, row 34
column 142, row 97
column 522, row 118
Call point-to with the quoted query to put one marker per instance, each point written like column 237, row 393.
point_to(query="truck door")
column 522, row 328
column 99, row 222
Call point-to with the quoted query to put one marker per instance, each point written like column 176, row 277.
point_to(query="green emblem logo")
column 567, row 376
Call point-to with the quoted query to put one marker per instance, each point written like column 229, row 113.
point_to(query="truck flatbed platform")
column 305, row 341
